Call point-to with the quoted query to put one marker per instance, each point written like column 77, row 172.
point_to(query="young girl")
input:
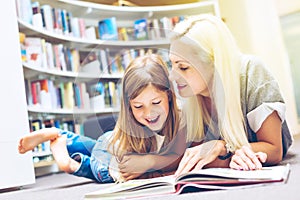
column 148, row 139
column 234, row 106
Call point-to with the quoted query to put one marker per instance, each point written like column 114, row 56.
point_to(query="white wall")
column 15, row 169
column 285, row 7
column 256, row 27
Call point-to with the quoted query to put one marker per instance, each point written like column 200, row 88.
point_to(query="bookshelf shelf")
column 87, row 44
column 37, row 109
column 94, row 10
column 44, row 163
column 31, row 71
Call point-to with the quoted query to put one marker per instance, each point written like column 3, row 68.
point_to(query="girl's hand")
column 246, row 159
column 195, row 158
column 133, row 166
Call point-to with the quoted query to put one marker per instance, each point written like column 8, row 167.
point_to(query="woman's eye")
column 156, row 102
column 137, row 107
column 183, row 68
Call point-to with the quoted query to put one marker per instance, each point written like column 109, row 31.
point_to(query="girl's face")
column 151, row 108
column 188, row 79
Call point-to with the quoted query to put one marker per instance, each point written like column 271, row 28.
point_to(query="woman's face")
column 188, row 79
column 151, row 108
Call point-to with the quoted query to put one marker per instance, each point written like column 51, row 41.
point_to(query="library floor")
column 64, row 186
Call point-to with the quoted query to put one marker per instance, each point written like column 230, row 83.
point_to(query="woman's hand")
column 195, row 158
column 133, row 166
column 246, row 159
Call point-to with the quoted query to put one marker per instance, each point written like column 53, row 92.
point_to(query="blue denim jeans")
column 92, row 155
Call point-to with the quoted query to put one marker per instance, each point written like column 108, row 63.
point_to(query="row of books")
column 61, row 21
column 38, row 52
column 48, row 94
column 43, row 149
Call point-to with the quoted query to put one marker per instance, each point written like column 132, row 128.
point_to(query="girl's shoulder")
column 106, row 137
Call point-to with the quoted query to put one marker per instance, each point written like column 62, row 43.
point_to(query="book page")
column 266, row 173
column 135, row 187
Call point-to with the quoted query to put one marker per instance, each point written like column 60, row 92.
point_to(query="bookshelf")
column 83, row 38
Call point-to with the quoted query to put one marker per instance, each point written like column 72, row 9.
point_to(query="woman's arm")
column 270, row 139
column 269, row 142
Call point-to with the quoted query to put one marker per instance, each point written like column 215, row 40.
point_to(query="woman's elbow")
column 275, row 157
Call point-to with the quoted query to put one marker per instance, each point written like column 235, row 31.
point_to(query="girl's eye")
column 137, row 107
column 156, row 102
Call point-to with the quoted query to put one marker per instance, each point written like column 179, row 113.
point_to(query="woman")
column 234, row 107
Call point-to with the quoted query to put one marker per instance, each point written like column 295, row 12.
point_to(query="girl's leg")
column 31, row 140
column 61, row 155
column 78, row 143
column 78, row 164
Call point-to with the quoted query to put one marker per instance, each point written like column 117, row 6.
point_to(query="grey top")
column 260, row 96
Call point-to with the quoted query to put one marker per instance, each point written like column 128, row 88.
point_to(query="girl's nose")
column 148, row 112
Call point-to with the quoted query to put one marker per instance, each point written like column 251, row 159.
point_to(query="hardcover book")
column 203, row 180
column 140, row 29
column 108, row 29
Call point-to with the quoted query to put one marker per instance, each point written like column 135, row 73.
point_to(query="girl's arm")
column 133, row 166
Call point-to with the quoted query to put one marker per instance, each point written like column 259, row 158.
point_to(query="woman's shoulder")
column 253, row 65
column 254, row 71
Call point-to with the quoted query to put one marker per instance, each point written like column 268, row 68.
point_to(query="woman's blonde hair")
column 215, row 46
column 129, row 135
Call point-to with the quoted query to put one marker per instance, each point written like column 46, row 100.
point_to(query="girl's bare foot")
column 31, row 140
column 61, row 155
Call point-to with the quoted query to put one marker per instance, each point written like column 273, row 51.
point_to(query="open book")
column 203, row 180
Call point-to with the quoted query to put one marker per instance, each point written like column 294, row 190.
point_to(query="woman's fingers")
column 238, row 162
column 261, row 156
column 251, row 159
column 182, row 163
column 186, row 164
column 246, row 159
column 234, row 165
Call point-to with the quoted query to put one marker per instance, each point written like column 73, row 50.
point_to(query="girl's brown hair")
column 129, row 135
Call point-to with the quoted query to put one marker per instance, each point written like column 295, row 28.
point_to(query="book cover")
column 140, row 29
column 203, row 180
column 108, row 29
column 34, row 51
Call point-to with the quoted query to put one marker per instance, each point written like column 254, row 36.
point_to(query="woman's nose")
column 173, row 75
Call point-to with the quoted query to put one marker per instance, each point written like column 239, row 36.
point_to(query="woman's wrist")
column 225, row 151
column 222, row 147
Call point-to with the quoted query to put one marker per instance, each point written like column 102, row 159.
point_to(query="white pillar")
column 15, row 169
column 256, row 27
